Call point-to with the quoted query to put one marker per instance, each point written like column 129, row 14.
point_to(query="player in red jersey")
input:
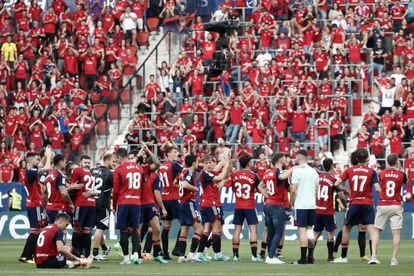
column 51, row 251
column 59, row 200
column 325, row 212
column 390, row 207
column 244, row 183
column 211, row 179
column 150, row 202
column 168, row 173
column 188, row 211
column 362, row 179
column 36, row 199
column 126, row 200
column 84, row 217
column 274, row 188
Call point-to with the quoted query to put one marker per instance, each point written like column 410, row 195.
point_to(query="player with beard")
column 36, row 199
column 84, row 216
column 103, row 184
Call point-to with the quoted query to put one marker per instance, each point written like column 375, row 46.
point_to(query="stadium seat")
column 113, row 112
column 112, row 96
column 99, row 110
column 125, row 96
column 142, row 39
column 95, row 98
column 101, row 127
column 152, row 24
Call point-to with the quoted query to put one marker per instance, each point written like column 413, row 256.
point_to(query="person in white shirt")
column 340, row 22
column 129, row 23
column 305, row 181
column 264, row 57
column 388, row 98
column 398, row 76
column 220, row 15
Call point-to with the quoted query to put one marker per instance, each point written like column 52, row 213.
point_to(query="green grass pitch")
column 10, row 250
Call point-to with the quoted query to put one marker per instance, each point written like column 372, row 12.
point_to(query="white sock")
column 126, row 258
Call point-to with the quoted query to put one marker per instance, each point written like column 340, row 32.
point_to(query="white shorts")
column 392, row 213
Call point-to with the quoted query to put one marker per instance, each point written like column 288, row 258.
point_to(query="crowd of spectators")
column 297, row 69
column 56, row 64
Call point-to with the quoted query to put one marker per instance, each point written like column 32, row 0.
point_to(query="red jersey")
column 128, row 180
column 186, row 195
column 325, row 200
column 33, row 187
column 276, row 188
column 6, row 172
column 244, row 183
column 361, row 179
column 210, row 197
column 169, row 172
column 391, row 186
column 54, row 180
column 151, row 184
column 83, row 176
column 46, row 243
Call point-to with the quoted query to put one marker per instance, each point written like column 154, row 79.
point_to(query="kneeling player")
column 244, row 183
column 390, row 207
column 325, row 212
column 188, row 213
column 51, row 252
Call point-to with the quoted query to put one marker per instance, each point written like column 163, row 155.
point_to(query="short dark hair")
column 353, row 158
column 276, row 157
column 57, row 159
column 189, row 160
column 327, row 164
column 302, row 152
column 31, row 154
column 169, row 149
column 87, row 157
column 245, row 160
column 62, row 216
column 122, row 153
column 392, row 159
column 362, row 155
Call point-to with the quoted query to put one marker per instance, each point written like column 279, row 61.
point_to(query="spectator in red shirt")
column 129, row 63
column 6, row 171
column 236, row 120
column 243, row 148
column 299, row 124
column 337, row 128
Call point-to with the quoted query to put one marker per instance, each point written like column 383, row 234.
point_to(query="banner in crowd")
column 15, row 225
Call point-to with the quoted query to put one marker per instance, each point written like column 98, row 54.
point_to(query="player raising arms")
column 126, row 200
column 150, row 201
column 188, row 210
column 362, row 179
column 59, row 200
column 103, row 183
column 84, row 217
column 390, row 207
column 211, row 212
column 274, row 187
column 244, row 183
column 35, row 200
column 325, row 212
column 168, row 173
